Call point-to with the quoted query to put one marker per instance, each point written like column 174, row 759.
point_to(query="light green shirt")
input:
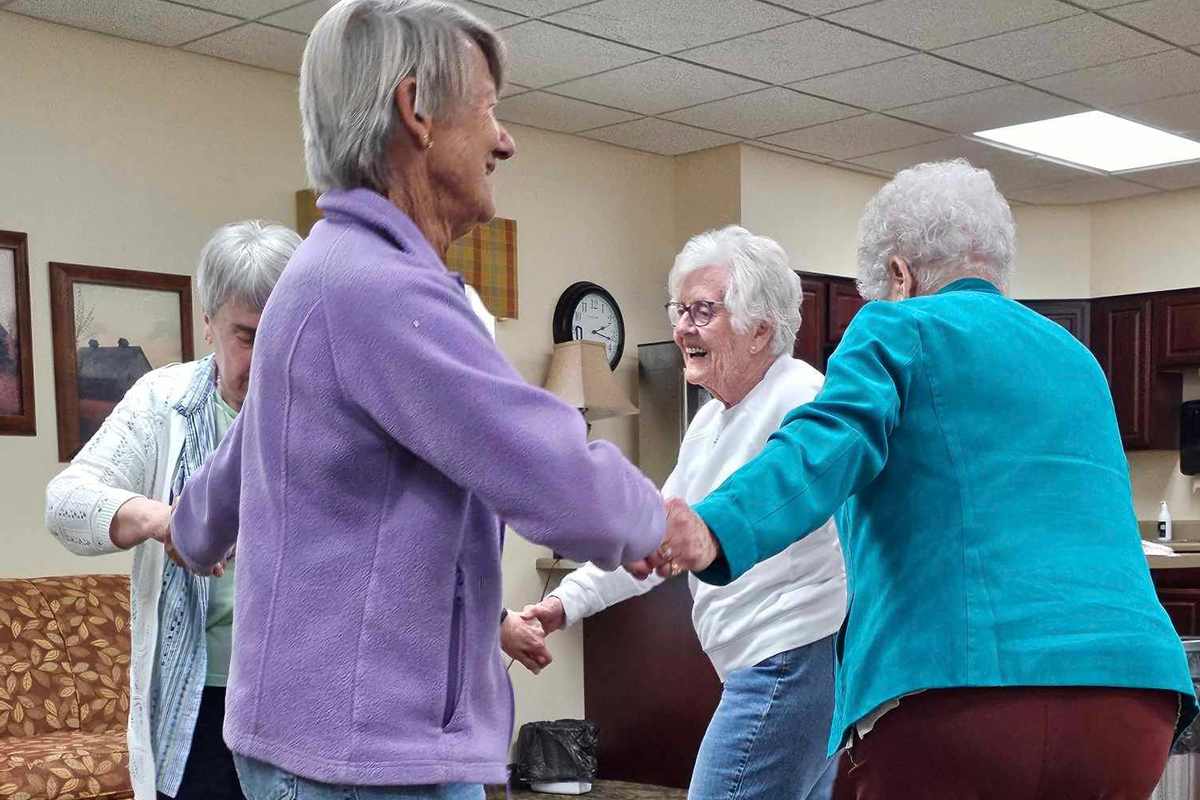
column 218, row 632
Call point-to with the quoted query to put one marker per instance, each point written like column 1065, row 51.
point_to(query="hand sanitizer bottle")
column 1164, row 522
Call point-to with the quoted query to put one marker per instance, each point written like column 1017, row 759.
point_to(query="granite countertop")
column 601, row 790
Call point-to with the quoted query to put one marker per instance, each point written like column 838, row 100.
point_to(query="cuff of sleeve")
column 570, row 609
column 102, row 521
column 738, row 548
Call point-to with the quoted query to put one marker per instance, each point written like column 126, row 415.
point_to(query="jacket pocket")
column 457, row 662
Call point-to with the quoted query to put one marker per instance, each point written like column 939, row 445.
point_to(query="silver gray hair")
column 946, row 219
column 243, row 261
column 761, row 287
column 356, row 56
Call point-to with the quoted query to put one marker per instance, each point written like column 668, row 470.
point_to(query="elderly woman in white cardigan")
column 116, row 495
column 735, row 311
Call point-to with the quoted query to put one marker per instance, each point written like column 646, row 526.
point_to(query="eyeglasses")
column 700, row 311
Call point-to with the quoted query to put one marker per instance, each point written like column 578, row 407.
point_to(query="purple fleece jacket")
column 383, row 441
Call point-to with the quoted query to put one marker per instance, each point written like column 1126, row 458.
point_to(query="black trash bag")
column 563, row 750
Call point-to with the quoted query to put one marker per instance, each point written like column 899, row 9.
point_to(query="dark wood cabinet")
column 810, row 339
column 844, row 303
column 1146, row 400
column 649, row 685
column 1177, row 329
column 1074, row 315
column 1179, row 592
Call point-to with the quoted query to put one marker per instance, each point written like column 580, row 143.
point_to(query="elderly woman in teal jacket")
column 1003, row 638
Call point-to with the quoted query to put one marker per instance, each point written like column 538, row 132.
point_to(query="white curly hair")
column 762, row 287
column 946, row 219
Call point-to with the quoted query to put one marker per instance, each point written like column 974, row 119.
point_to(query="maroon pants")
column 1017, row 743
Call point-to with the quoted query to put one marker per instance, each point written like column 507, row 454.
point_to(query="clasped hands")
column 687, row 545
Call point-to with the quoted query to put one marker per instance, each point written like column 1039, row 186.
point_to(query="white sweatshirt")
column 789, row 600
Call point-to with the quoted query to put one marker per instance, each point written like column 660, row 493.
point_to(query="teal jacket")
column 987, row 524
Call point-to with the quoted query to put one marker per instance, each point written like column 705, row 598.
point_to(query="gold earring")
column 427, row 142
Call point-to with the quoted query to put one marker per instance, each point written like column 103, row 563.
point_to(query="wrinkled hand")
column 173, row 554
column 524, row 640
column 688, row 545
column 550, row 613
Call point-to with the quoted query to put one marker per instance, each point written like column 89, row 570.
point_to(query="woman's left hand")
column 217, row 571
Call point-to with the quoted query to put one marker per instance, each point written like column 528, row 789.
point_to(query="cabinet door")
column 1177, row 326
column 810, row 339
column 1183, row 607
column 1074, row 315
column 1121, row 343
column 844, row 303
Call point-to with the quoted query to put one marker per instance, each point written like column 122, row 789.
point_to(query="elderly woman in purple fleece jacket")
column 385, row 438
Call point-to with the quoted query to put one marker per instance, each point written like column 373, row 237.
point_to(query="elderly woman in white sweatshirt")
column 116, row 495
column 735, row 309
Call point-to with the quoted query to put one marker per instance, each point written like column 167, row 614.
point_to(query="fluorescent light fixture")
column 1098, row 140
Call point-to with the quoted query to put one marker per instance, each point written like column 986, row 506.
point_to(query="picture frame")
column 110, row 327
column 18, row 415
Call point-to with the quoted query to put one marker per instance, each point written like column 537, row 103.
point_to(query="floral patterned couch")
column 64, row 688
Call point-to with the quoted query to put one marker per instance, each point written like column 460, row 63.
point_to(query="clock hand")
column 601, row 335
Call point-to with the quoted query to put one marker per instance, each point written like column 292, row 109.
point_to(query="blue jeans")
column 261, row 781
column 768, row 736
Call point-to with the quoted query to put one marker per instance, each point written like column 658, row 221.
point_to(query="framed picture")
column 110, row 327
column 17, row 417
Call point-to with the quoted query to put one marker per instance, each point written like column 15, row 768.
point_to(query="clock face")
column 595, row 319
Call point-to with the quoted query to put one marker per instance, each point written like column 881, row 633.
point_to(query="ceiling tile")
column 140, row 20
column 1104, row 3
column 540, row 55
column 991, row 108
column 900, row 82
column 537, row 8
column 256, row 45
column 661, row 84
column 850, row 165
column 1026, row 173
column 1185, row 176
column 1176, row 114
column 762, row 113
column 659, row 136
column 1131, row 81
column 666, row 26
column 555, row 113
column 794, row 52
column 929, row 24
column 787, row 151
column 820, row 7
column 301, row 18
column 1176, row 21
column 513, row 89
column 246, row 9
column 979, row 154
column 857, row 136
column 1062, row 46
column 1086, row 190
column 492, row 16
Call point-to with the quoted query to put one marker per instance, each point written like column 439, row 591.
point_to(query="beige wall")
column 1053, row 252
column 708, row 191
column 1146, row 243
column 121, row 155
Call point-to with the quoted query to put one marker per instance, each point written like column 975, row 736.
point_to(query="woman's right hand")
column 138, row 520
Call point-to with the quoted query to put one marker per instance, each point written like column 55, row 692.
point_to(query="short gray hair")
column 243, row 261
column 947, row 219
column 761, row 288
column 356, row 56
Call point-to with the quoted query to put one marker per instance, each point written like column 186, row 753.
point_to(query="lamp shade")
column 580, row 377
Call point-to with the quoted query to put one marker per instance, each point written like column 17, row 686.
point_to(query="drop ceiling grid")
column 1131, row 57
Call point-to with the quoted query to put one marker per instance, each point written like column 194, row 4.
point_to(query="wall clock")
column 588, row 311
